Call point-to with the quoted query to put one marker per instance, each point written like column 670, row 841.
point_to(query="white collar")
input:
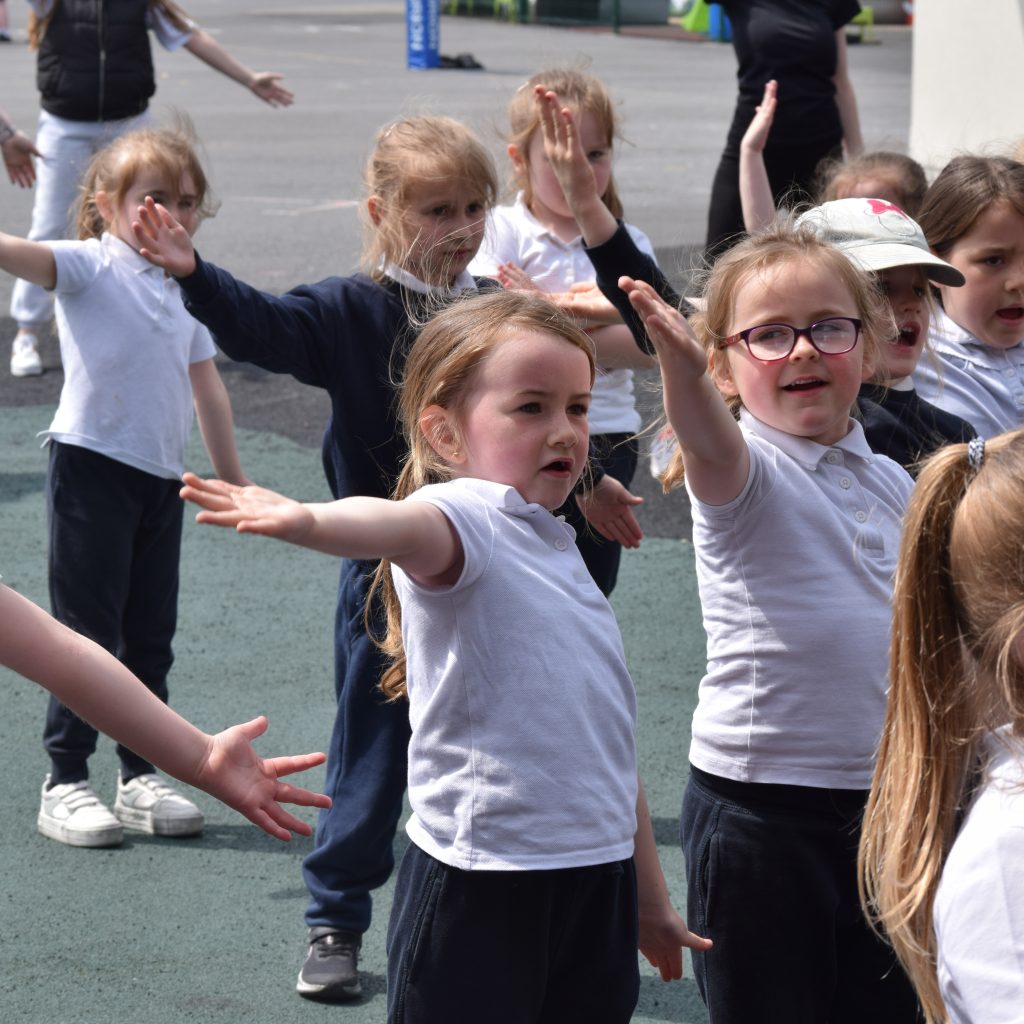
column 540, row 229
column 802, row 449
column 465, row 282
column 121, row 251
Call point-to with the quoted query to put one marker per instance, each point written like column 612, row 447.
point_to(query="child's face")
column 442, row 228
column 524, row 421
column 806, row 394
column 179, row 198
column 906, row 291
column 547, row 201
column 991, row 257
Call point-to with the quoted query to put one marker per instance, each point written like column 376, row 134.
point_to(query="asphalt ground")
column 211, row 929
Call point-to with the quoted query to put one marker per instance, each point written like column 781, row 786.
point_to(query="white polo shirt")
column 523, row 713
column 126, row 342
column 515, row 236
column 978, row 914
column 795, row 579
column 984, row 385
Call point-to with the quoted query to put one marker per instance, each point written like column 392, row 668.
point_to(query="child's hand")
column 608, row 508
column 756, row 136
column 516, row 279
column 673, row 338
column 248, row 509
column 234, row 773
column 563, row 149
column 663, row 934
column 163, row 241
column 586, row 304
column 265, row 85
column 18, row 151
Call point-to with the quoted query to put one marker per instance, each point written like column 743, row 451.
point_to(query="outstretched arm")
column 755, row 190
column 216, row 424
column 96, row 686
column 32, row 261
column 265, row 84
column 663, row 933
column 414, row 535
column 714, row 453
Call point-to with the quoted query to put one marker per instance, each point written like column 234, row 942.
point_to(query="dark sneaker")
column 331, row 971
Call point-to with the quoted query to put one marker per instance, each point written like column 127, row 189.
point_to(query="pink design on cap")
column 880, row 206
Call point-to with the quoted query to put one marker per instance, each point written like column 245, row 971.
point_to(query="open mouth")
column 561, row 467
column 804, row 384
column 1011, row 314
column 907, row 336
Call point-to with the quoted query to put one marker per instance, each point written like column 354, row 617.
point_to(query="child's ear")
column 375, row 208
column 442, row 433
column 718, row 371
column 105, row 205
column 518, row 163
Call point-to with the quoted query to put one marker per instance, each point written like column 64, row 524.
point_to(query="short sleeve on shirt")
column 167, row 33
column 78, row 263
column 202, row 347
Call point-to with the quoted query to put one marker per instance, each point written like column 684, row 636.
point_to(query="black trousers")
column 115, row 543
column 512, row 947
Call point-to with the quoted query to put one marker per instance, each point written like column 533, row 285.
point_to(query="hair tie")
column 975, row 453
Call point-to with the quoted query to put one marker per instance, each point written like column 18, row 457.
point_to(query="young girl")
column 941, row 853
column 537, row 236
column 880, row 239
column 516, row 900
column 134, row 362
column 973, row 217
column 95, row 77
column 95, row 685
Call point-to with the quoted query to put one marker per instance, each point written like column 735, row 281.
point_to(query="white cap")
column 877, row 235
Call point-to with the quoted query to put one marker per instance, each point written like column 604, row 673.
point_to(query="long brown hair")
column 37, row 26
column 905, row 176
column 581, row 92
column 439, row 371
column 955, row 672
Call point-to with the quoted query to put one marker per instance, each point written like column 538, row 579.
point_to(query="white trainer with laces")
column 148, row 803
column 25, row 361
column 72, row 813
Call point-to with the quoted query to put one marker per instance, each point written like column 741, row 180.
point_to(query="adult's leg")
column 93, row 515
column 725, row 212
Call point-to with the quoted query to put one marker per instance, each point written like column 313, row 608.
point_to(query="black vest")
column 94, row 61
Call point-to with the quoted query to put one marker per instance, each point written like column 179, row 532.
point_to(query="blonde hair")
column 575, row 89
column 955, row 672
column 409, row 153
column 114, row 169
column 439, row 371
column 964, row 189
column 778, row 244
column 904, row 175
column 37, row 26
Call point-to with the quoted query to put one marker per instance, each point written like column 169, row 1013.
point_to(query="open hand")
column 515, row 279
column 756, row 136
column 248, row 509
column 608, row 507
column 235, row 774
column 18, row 151
column 266, row 85
column 671, row 335
column 163, row 241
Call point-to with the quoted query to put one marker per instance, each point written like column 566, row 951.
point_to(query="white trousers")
column 67, row 148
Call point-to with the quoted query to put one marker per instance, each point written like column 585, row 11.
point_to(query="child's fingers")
column 289, row 764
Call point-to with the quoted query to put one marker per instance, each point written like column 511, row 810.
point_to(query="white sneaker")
column 72, row 813
column 25, row 361
column 148, row 804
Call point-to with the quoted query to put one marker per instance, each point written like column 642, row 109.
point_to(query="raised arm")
column 715, row 455
column 31, row 261
column 216, row 424
column 265, row 84
column 846, row 99
column 414, row 535
column 755, row 190
column 96, row 686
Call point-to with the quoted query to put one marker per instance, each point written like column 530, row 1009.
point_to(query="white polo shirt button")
column 844, row 482
column 561, row 544
column 860, row 516
column 833, row 457
column 1008, row 372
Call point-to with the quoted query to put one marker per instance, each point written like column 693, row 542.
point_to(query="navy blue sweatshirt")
column 347, row 335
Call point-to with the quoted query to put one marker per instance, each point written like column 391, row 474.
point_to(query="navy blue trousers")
column 771, row 879
column 512, row 947
column 617, row 456
column 115, row 547
column 366, row 771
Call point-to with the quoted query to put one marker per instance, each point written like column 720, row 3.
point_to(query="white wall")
column 968, row 78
